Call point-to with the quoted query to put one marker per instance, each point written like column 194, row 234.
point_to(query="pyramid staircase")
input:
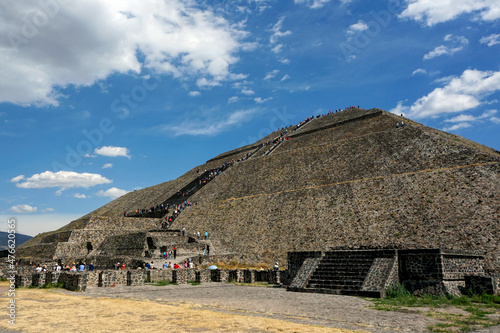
column 338, row 272
column 346, row 273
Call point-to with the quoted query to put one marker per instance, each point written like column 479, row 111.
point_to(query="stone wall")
column 301, row 277
column 183, row 275
column 422, row 271
column 382, row 274
column 296, row 261
column 156, row 275
column 73, row 281
column 436, row 271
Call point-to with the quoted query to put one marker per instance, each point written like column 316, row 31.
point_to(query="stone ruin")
column 371, row 272
column 366, row 273
column 346, row 180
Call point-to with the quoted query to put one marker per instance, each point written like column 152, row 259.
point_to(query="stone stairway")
column 339, row 273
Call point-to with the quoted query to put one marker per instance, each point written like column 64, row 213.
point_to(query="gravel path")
column 312, row 309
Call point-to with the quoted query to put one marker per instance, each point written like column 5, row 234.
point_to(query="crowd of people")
column 58, row 267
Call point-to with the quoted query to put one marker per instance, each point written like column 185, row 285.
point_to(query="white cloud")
column 271, row 75
column 316, row 3
column 194, row 93
column 467, row 120
column 233, row 99
column 356, row 28
column 285, row 77
column 490, row 40
column 17, row 179
column 45, row 210
column 277, row 33
column 461, row 118
column 112, row 193
column 433, row 12
column 247, row 91
column 210, row 126
column 457, row 127
column 277, row 48
column 459, row 94
column 453, row 45
column 23, row 209
column 260, row 100
column 204, row 83
column 83, row 42
column 111, row 151
column 419, row 71
column 107, row 165
column 80, row 196
column 63, row 179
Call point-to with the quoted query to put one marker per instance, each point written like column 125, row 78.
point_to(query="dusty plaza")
column 214, row 307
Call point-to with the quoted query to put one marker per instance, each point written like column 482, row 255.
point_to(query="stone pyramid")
column 347, row 180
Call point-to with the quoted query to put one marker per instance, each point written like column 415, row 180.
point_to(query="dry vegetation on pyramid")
column 347, row 180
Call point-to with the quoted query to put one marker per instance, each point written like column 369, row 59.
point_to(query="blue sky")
column 98, row 98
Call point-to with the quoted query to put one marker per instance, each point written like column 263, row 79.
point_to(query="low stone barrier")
column 78, row 281
column 73, row 281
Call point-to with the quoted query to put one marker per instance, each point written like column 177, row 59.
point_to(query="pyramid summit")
column 347, row 180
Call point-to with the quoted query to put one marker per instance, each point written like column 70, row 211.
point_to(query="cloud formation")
column 459, row 94
column 23, row 209
column 317, row 3
column 84, row 41
column 209, row 126
column 467, row 120
column 356, row 28
column 277, row 34
column 434, row 12
column 112, row 193
column 62, row 179
column 271, row 75
column 490, row 40
column 452, row 45
column 111, row 151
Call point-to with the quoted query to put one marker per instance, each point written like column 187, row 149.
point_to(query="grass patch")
column 477, row 308
column 58, row 285
column 163, row 283
column 193, row 283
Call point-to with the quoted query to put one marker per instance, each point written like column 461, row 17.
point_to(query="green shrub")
column 163, row 283
column 396, row 291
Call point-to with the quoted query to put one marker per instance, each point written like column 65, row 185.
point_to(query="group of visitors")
column 75, row 267
column 168, row 254
column 118, row 266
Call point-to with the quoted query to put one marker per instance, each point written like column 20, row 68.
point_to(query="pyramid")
column 347, row 180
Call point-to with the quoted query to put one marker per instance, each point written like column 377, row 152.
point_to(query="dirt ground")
column 213, row 307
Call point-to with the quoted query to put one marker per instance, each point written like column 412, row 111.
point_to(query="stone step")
column 337, row 268
column 339, row 275
column 346, row 260
column 333, row 286
column 345, row 264
column 348, row 282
